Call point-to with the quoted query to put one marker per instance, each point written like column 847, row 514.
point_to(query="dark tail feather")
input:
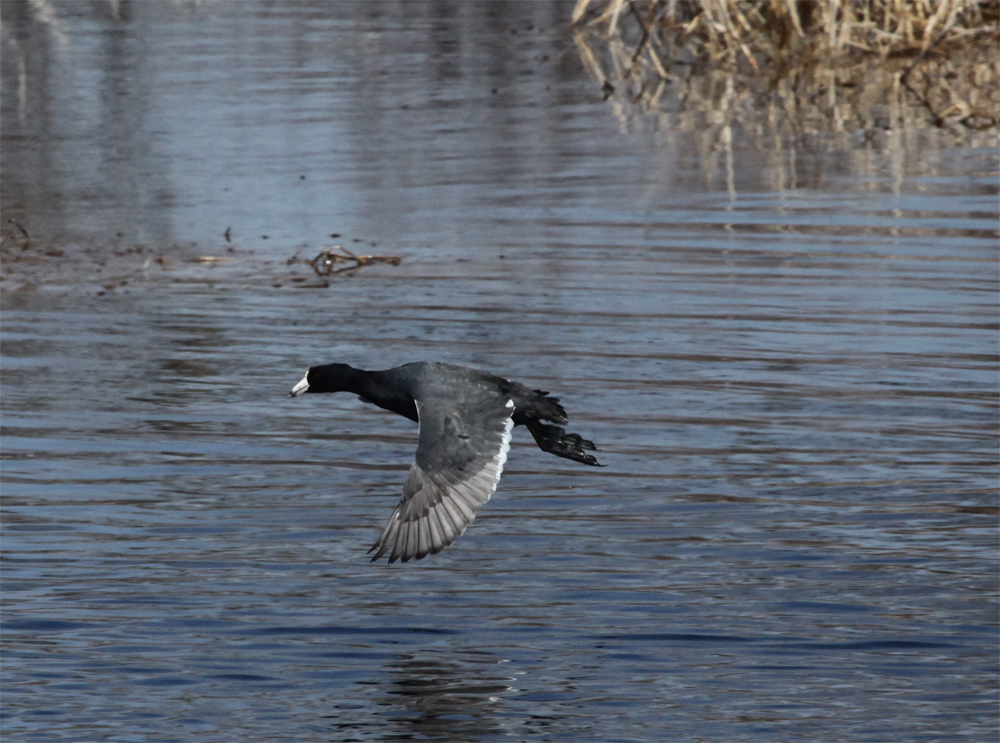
column 555, row 440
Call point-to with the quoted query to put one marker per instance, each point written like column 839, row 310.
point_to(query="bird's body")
column 465, row 418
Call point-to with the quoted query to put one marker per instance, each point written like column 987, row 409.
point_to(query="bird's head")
column 326, row 378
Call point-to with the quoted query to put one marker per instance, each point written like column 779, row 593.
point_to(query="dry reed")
column 814, row 65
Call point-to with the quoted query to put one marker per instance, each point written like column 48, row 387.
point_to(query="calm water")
column 787, row 350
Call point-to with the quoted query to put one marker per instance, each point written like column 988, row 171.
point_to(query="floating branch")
column 326, row 263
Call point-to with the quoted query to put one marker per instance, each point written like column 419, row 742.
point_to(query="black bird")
column 465, row 418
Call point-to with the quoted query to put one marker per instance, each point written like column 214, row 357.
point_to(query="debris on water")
column 326, row 263
column 28, row 259
column 320, row 285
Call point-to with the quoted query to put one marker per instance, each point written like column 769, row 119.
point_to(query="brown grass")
column 817, row 65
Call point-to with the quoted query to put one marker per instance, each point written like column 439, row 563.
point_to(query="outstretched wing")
column 460, row 455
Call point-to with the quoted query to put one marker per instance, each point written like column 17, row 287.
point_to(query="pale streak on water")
column 795, row 536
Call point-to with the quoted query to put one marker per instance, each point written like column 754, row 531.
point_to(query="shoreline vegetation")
column 799, row 66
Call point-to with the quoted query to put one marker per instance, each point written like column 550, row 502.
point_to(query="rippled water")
column 791, row 368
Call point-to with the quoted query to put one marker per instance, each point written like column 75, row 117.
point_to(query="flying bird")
column 466, row 417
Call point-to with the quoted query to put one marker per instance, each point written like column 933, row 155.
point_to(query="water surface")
column 790, row 364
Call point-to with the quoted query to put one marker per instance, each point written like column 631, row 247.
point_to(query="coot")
column 465, row 418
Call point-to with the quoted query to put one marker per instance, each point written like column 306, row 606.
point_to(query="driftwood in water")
column 329, row 261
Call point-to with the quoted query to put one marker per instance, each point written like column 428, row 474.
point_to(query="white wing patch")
column 501, row 456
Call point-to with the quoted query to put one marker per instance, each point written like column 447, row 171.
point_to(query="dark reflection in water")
column 438, row 700
column 787, row 350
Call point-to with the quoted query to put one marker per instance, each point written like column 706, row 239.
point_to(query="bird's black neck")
column 381, row 388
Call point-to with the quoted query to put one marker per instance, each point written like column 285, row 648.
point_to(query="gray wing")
column 460, row 454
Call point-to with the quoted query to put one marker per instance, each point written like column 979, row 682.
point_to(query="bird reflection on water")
column 428, row 698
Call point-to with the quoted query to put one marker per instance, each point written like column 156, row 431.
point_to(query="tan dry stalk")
column 831, row 51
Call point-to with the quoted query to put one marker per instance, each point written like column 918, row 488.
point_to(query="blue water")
column 795, row 387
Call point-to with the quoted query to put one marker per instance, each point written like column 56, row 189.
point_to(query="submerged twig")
column 27, row 237
column 24, row 232
column 5, row 252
